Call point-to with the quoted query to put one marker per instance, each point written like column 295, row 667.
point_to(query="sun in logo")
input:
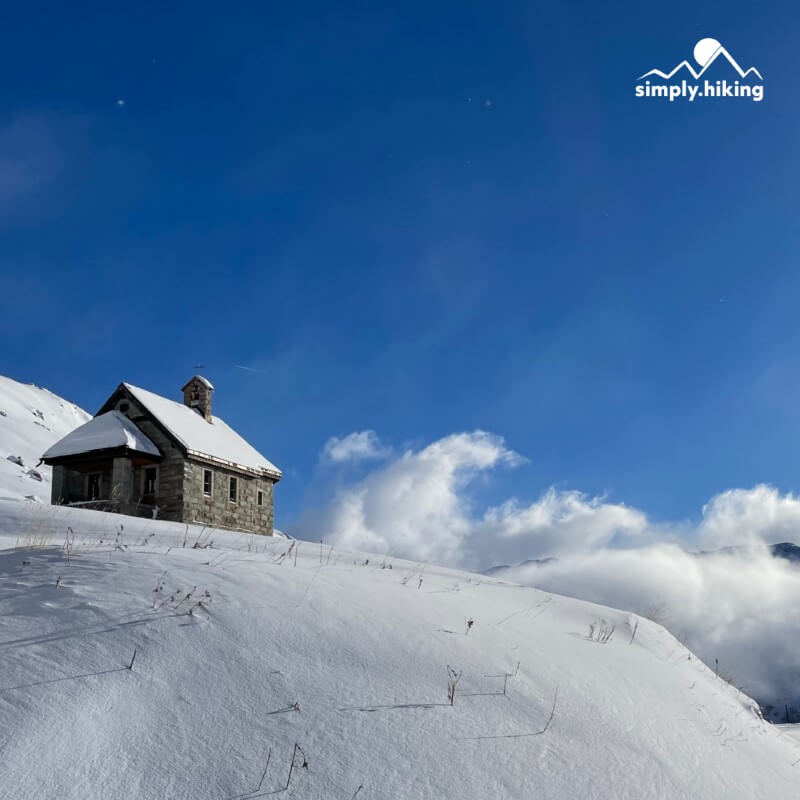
column 705, row 50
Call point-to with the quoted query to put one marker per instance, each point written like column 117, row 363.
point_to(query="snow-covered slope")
column 246, row 646
column 31, row 419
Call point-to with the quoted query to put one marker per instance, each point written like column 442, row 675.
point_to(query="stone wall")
column 217, row 510
column 169, row 485
column 179, row 490
column 122, row 480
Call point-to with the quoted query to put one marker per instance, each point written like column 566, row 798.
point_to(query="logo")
column 716, row 77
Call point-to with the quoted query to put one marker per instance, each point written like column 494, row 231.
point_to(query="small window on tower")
column 208, row 482
column 260, row 497
column 232, row 488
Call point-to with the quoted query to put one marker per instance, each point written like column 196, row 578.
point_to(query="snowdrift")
column 247, row 646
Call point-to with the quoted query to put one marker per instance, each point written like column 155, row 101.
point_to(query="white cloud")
column 558, row 522
column 418, row 505
column 745, row 516
column 358, row 446
column 414, row 506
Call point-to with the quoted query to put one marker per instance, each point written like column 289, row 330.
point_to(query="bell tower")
column 197, row 395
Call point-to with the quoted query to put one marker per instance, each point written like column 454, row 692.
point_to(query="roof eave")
column 101, row 453
column 259, row 472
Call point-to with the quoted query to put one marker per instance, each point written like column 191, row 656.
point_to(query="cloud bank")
column 415, row 506
column 749, row 516
column 741, row 608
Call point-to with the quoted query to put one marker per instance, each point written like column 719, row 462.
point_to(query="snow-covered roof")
column 108, row 430
column 213, row 440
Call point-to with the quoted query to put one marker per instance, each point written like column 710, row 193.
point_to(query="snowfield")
column 31, row 420
column 142, row 659
column 246, row 646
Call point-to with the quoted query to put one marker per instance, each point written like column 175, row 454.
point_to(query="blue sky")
column 420, row 219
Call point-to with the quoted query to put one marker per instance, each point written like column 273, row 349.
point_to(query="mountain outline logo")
column 706, row 52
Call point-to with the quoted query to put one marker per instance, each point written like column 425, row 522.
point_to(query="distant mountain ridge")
column 786, row 550
column 500, row 567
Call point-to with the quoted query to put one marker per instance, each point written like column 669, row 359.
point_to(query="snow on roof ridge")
column 216, row 440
